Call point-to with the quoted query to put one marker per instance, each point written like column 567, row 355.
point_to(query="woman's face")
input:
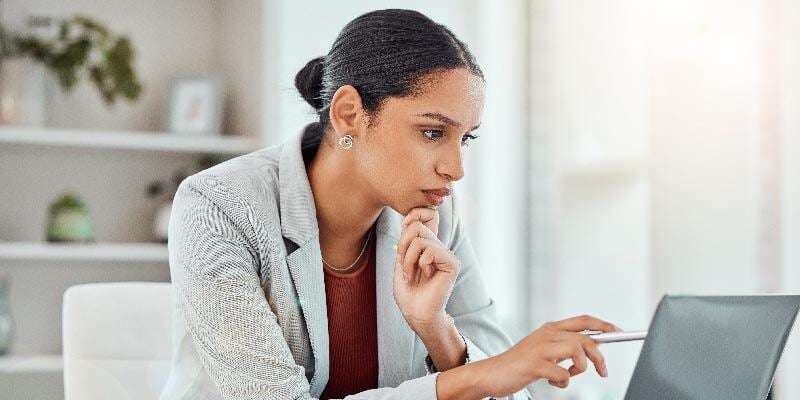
column 417, row 142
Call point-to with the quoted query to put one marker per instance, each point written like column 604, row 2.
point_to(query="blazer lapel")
column 305, row 266
column 395, row 337
column 299, row 224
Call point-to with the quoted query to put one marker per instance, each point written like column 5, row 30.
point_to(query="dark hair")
column 382, row 53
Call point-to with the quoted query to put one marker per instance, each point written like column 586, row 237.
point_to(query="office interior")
column 628, row 149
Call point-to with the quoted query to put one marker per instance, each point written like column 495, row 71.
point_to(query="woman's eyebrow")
column 445, row 119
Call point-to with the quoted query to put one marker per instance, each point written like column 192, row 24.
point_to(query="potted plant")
column 69, row 220
column 73, row 48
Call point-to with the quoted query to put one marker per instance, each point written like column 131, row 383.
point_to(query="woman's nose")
column 452, row 166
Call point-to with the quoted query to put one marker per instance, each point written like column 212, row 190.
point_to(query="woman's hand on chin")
column 425, row 271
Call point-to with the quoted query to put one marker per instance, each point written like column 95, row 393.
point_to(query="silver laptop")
column 713, row 347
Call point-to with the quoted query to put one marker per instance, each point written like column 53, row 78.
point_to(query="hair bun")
column 309, row 82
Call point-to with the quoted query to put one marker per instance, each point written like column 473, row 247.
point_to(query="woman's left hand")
column 425, row 271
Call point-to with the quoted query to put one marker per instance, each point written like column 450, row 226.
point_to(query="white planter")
column 161, row 221
column 22, row 92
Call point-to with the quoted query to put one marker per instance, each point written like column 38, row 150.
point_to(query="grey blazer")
column 250, row 318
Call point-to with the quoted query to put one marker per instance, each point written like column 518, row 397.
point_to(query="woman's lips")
column 444, row 192
column 436, row 197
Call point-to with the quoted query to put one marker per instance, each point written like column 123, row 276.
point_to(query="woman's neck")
column 346, row 209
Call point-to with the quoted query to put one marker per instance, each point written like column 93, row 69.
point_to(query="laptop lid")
column 713, row 347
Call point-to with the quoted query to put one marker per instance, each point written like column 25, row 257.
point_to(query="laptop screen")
column 713, row 347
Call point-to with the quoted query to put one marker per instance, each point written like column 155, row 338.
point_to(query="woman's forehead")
column 447, row 83
column 454, row 99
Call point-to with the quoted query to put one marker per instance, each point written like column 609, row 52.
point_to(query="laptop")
column 713, row 347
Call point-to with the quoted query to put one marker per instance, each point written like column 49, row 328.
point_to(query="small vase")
column 22, row 92
column 6, row 319
column 161, row 221
column 70, row 225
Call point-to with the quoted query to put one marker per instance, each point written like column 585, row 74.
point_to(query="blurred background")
column 628, row 149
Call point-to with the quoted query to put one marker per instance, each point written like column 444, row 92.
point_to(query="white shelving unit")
column 31, row 364
column 113, row 252
column 128, row 140
column 109, row 155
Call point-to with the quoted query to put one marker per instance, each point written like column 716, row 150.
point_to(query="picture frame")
column 195, row 106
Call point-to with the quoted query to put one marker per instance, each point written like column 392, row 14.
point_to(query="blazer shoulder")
column 244, row 188
column 250, row 177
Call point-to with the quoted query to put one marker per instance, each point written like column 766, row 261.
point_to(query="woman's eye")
column 437, row 134
column 465, row 140
column 433, row 134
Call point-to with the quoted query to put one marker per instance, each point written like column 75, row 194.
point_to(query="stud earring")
column 346, row 142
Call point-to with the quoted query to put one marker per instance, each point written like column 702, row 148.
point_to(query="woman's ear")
column 347, row 112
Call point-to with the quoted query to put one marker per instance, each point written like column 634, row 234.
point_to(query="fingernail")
column 405, row 276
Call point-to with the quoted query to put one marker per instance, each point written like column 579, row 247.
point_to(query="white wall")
column 788, row 387
column 723, row 114
column 497, row 201
column 706, row 105
column 589, row 186
column 700, row 82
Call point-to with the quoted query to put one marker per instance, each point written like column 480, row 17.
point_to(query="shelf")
column 139, row 252
column 128, row 140
column 14, row 364
column 605, row 168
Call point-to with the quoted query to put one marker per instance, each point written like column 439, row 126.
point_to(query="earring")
column 346, row 142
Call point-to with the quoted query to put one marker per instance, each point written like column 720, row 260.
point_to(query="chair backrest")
column 117, row 340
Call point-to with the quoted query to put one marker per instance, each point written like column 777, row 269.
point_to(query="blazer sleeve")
column 214, row 270
column 472, row 309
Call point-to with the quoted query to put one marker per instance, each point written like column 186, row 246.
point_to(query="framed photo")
column 196, row 106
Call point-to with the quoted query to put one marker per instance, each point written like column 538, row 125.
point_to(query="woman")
column 336, row 264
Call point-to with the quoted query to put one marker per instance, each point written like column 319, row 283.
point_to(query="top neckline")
column 369, row 254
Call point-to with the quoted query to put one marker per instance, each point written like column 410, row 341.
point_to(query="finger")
column 582, row 323
column 411, row 259
column 562, row 385
column 429, row 259
column 429, row 217
column 415, row 229
column 426, row 260
column 437, row 258
column 554, row 374
column 590, row 348
column 398, row 271
column 568, row 349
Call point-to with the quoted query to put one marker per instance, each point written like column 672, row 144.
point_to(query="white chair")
column 117, row 340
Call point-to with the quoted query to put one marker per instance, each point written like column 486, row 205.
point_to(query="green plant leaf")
column 67, row 200
column 67, row 54
column 63, row 31
column 36, row 48
column 118, row 64
column 91, row 25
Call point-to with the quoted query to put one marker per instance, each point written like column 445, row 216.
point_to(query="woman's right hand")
column 537, row 355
